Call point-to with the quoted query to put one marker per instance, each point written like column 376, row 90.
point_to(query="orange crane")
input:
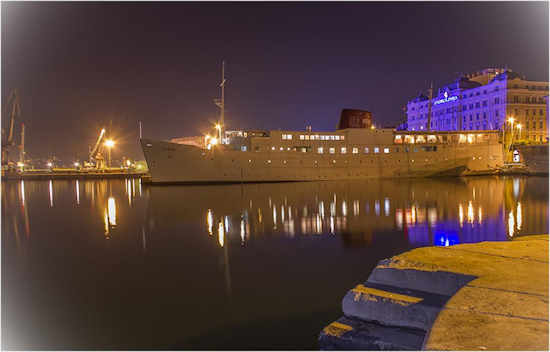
column 96, row 159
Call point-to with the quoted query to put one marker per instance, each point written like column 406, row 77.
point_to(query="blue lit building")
column 484, row 100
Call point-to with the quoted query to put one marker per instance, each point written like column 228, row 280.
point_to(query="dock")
column 482, row 296
column 67, row 175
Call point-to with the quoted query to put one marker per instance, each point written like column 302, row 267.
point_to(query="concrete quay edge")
column 481, row 296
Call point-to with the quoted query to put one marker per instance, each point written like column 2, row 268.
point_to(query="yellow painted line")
column 396, row 297
column 337, row 329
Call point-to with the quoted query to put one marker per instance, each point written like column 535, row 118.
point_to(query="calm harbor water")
column 118, row 265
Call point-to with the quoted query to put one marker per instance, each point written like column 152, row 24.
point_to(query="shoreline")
column 487, row 295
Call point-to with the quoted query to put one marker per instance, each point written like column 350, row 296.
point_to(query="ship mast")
column 221, row 104
column 431, row 92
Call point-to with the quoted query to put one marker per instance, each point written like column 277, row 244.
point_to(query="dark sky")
column 78, row 66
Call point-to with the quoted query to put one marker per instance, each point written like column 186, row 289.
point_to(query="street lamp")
column 219, row 128
column 109, row 143
column 519, row 128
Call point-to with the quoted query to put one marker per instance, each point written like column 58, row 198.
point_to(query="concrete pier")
column 482, row 296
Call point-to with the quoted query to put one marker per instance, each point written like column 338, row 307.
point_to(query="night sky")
column 78, row 66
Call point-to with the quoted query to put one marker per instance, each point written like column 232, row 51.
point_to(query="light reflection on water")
column 486, row 208
column 244, row 245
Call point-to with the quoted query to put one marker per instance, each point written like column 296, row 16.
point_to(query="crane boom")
column 15, row 111
column 95, row 150
column 22, row 145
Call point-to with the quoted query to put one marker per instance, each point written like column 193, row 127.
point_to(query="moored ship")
column 351, row 153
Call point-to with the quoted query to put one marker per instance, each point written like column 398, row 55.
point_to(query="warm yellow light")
column 76, row 164
column 518, row 126
column 207, row 137
column 128, row 162
column 511, row 120
column 214, row 141
column 218, row 127
column 109, row 143
column 20, row 164
column 372, row 127
column 50, row 164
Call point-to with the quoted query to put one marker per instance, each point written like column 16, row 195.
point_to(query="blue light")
column 445, row 100
column 446, row 239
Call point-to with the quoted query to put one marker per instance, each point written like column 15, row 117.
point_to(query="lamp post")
column 109, row 143
column 219, row 128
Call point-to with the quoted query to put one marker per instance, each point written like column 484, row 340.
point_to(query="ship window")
column 342, row 138
column 243, row 148
column 397, row 150
column 332, row 138
column 343, row 150
column 386, row 150
column 355, row 150
column 320, row 150
column 409, row 139
column 272, row 148
column 302, row 137
column 366, row 150
column 331, row 150
column 307, row 137
column 316, row 137
column 420, row 139
column 257, row 148
column 462, row 138
column 432, row 139
column 281, row 148
column 471, row 138
column 398, row 139
column 269, row 161
column 376, row 150
column 337, row 138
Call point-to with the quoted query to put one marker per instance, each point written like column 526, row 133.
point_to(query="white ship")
column 272, row 156
column 355, row 150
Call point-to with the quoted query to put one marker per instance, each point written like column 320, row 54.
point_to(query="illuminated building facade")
column 485, row 100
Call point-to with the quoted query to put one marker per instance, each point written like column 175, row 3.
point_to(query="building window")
column 485, row 103
column 477, row 116
column 464, row 107
column 376, row 150
column 302, row 137
column 477, row 104
column 496, row 100
column 320, row 150
column 343, row 150
column 496, row 113
column 366, row 150
column 484, row 115
column 386, row 150
column 307, row 137
column 331, row 150
column 355, row 150
column 243, row 148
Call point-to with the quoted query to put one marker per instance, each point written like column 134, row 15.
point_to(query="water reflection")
column 425, row 212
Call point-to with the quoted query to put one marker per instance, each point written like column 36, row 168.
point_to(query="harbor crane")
column 96, row 159
column 8, row 141
column 22, row 146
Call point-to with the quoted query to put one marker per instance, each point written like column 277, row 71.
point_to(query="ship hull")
column 172, row 163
